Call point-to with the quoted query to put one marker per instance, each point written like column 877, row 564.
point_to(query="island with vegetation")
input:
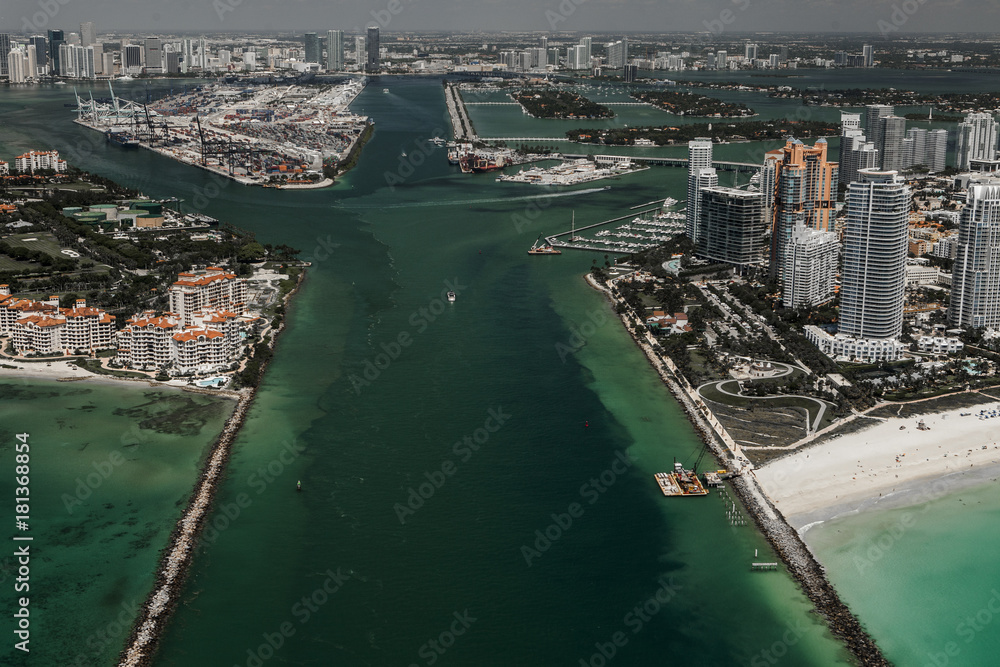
column 859, row 97
column 769, row 130
column 693, row 104
column 548, row 103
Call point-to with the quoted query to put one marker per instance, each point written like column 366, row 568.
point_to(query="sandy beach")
column 885, row 465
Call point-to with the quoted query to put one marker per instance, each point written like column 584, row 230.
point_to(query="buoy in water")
column 586, row 423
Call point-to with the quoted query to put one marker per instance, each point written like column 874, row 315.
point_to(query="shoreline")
column 178, row 556
column 884, row 466
column 782, row 537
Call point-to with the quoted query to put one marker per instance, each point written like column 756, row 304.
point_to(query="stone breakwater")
column 179, row 554
column 801, row 563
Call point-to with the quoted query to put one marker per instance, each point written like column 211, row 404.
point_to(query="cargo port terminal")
column 287, row 136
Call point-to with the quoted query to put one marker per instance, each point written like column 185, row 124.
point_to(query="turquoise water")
column 108, row 468
column 377, row 383
column 923, row 579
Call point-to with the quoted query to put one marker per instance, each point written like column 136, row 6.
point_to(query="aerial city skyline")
column 437, row 333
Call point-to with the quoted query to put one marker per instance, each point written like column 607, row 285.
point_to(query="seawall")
column 801, row 563
column 175, row 563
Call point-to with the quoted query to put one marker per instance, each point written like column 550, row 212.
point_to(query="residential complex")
column 699, row 160
column 977, row 139
column 33, row 161
column 213, row 288
column 874, row 274
column 42, row 327
column 805, row 192
column 732, row 228
column 809, row 271
column 975, row 295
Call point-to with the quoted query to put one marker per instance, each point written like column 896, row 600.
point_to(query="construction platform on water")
column 680, row 482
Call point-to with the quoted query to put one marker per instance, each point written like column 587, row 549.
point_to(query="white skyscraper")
column 699, row 158
column 750, row 52
column 360, row 53
column 975, row 292
column 586, row 43
column 335, row 50
column 875, row 247
column 977, row 139
column 809, row 271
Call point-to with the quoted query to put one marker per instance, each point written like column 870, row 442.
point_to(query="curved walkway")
column 788, row 368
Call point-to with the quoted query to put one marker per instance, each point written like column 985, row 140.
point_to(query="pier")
column 762, row 567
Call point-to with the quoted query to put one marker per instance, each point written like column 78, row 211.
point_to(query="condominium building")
column 699, row 158
column 732, row 227
column 35, row 160
column 975, row 293
column 211, row 289
column 335, row 50
column 875, row 245
column 805, row 194
column 891, row 148
column 977, row 139
column 373, row 62
column 850, row 127
column 618, row 53
column 44, row 328
column 212, row 341
column 874, row 113
column 808, row 275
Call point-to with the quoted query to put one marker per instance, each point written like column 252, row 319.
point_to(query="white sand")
column 857, row 469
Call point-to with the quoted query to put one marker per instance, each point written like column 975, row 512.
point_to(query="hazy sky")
column 720, row 16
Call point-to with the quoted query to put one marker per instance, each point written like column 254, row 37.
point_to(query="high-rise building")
column 360, row 55
column 699, row 158
column 202, row 53
column 732, row 226
column 335, row 50
column 56, row 38
column 875, row 247
column 850, row 128
column 131, row 59
column 808, row 276
column 722, row 59
column 587, row 44
column 577, row 58
column 15, row 63
column 618, row 53
column 868, row 55
column 543, row 43
column 373, row 63
column 977, row 139
column 937, row 150
column 153, row 53
column 88, row 34
column 804, row 194
column 630, row 73
column 874, row 113
column 41, row 52
column 750, row 52
column 975, row 291
column 312, row 47
column 891, row 150
column 4, row 50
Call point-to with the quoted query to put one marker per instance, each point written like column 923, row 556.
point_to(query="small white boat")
column 452, row 296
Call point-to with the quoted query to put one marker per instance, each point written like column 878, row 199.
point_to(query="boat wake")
column 470, row 202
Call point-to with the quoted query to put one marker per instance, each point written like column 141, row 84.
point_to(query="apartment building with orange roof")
column 212, row 288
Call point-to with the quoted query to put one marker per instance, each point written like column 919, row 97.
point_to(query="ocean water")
column 414, row 540
column 110, row 467
column 922, row 578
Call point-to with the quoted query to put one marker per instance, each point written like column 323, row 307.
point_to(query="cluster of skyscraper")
column 795, row 201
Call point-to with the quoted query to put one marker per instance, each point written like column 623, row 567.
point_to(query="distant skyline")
column 722, row 17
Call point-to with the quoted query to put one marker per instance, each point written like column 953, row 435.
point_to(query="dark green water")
column 526, row 338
